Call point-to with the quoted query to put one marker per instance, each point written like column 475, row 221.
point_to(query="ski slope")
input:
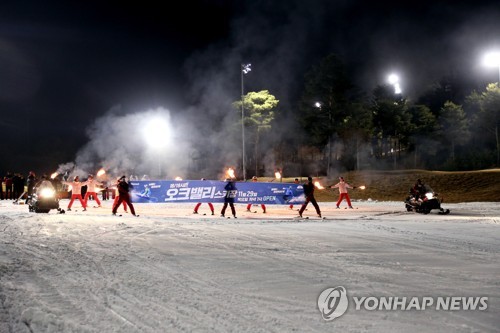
column 171, row 271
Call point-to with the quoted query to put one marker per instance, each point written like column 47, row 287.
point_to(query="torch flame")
column 318, row 186
column 178, row 178
column 362, row 187
column 54, row 175
column 277, row 175
column 101, row 172
column 230, row 173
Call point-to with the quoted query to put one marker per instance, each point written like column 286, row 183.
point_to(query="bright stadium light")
column 157, row 135
column 394, row 80
column 492, row 59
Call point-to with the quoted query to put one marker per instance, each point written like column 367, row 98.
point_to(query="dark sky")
column 65, row 65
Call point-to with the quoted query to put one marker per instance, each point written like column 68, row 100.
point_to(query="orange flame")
column 101, row 172
column 230, row 173
column 318, row 186
column 54, row 175
column 178, row 178
column 277, row 175
column 362, row 187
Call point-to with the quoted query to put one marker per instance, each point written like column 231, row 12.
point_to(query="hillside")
column 459, row 186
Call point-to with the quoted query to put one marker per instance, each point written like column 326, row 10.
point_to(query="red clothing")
column 346, row 197
column 91, row 184
column 123, row 196
column 199, row 204
column 124, row 203
column 343, row 186
column 263, row 207
column 76, row 193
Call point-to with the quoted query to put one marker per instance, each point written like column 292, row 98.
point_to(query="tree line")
column 336, row 126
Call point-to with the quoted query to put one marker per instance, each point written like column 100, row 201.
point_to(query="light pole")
column 330, row 129
column 245, row 68
column 492, row 59
column 394, row 80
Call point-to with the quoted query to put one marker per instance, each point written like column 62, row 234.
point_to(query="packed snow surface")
column 169, row 270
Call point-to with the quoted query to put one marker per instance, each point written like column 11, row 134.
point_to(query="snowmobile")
column 43, row 200
column 425, row 204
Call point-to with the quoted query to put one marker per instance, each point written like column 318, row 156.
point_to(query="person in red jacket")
column 254, row 179
column 76, row 192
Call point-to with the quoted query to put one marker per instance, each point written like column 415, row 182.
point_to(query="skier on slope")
column 91, row 184
column 76, row 192
column 123, row 195
column 343, row 186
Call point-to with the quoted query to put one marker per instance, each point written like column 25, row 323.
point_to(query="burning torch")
column 101, row 172
column 277, row 175
column 230, row 173
column 318, row 186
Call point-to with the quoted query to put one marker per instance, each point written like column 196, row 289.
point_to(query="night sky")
column 66, row 67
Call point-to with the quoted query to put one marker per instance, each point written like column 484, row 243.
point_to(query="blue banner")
column 213, row 191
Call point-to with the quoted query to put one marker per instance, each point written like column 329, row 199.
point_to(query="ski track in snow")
column 170, row 271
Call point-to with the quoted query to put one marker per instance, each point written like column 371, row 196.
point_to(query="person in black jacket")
column 123, row 195
column 18, row 182
column 30, row 184
column 309, row 194
column 231, row 192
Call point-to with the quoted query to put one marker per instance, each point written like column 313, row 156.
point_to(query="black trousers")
column 314, row 203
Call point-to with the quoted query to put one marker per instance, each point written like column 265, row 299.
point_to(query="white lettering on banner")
column 175, row 194
column 202, row 193
column 179, row 185
column 232, row 194
column 219, row 194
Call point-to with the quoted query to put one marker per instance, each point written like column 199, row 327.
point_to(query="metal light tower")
column 245, row 68
column 330, row 130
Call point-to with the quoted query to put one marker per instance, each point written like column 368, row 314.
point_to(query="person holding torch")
column 91, row 185
column 76, row 192
column 343, row 186
column 309, row 195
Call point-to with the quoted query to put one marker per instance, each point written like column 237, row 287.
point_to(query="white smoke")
column 142, row 143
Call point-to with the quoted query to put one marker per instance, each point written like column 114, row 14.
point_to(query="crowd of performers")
column 122, row 194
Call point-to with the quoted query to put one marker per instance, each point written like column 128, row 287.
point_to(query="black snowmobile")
column 43, row 200
column 424, row 204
